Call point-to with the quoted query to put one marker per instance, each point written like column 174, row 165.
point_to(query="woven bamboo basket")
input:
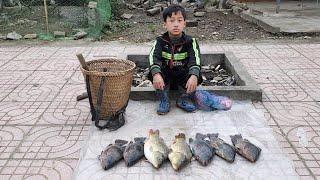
column 118, row 79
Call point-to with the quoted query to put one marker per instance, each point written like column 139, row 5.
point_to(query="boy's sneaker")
column 164, row 105
column 185, row 103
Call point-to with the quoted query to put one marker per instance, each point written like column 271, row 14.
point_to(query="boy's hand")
column 192, row 84
column 158, row 82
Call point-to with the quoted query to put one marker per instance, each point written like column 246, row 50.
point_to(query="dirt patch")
column 213, row 26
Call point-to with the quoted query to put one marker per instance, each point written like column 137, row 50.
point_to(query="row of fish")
column 202, row 148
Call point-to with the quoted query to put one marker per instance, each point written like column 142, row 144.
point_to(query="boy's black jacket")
column 183, row 54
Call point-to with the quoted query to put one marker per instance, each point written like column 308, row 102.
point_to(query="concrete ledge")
column 245, row 88
column 251, row 18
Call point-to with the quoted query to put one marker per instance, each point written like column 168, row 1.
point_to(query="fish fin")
column 200, row 136
column 120, row 142
column 139, row 139
column 213, row 135
column 235, row 138
column 180, row 135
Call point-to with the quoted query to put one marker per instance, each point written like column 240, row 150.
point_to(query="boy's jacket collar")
column 166, row 38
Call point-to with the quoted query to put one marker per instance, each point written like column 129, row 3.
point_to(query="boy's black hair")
column 174, row 8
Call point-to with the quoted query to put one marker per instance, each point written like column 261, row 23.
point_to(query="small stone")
column 79, row 35
column 191, row 23
column 153, row 11
column 59, row 34
column 215, row 33
column 92, row 5
column 217, row 68
column 199, row 14
column 30, row 36
column 131, row 6
column 306, row 37
column 3, row 37
column 218, row 78
column 13, row 36
column 126, row 16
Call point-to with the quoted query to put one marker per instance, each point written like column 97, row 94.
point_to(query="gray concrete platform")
column 293, row 17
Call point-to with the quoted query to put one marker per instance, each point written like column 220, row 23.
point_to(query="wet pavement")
column 43, row 127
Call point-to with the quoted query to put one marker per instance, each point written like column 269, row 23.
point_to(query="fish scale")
column 180, row 152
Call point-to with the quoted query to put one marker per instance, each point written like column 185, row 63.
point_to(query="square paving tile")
column 308, row 50
column 8, row 55
column 259, row 64
column 22, row 65
column 60, row 64
column 105, row 51
column 69, row 53
column 21, row 113
column 238, row 47
column 5, row 90
column 7, row 77
column 70, row 92
column 52, row 142
column 294, row 113
column 280, row 52
column 48, row 77
column 38, row 170
column 77, row 78
column 269, row 76
column 284, row 92
column 67, row 113
column 34, row 92
column 35, row 53
column 10, row 138
column 288, row 63
column 249, row 54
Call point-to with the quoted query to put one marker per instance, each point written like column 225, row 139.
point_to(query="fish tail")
column 235, row 138
column 200, row 136
column 120, row 142
column 139, row 139
column 180, row 135
column 213, row 135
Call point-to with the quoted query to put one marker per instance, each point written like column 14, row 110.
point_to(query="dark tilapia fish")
column 201, row 150
column 245, row 148
column 134, row 151
column 222, row 149
column 112, row 154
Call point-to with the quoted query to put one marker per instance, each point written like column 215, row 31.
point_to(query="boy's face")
column 175, row 24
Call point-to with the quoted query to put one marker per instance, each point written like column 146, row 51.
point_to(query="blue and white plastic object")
column 209, row 101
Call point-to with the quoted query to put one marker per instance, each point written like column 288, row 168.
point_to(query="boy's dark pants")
column 175, row 78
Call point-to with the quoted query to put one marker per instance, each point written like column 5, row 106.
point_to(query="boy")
column 175, row 60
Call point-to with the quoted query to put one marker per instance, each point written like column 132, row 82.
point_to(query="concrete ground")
column 42, row 127
column 293, row 17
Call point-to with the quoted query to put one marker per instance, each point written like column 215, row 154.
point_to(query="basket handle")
column 82, row 61
column 84, row 66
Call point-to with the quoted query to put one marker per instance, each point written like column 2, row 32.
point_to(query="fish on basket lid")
column 180, row 153
column 134, row 151
column 201, row 150
column 112, row 154
column 155, row 150
column 245, row 148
